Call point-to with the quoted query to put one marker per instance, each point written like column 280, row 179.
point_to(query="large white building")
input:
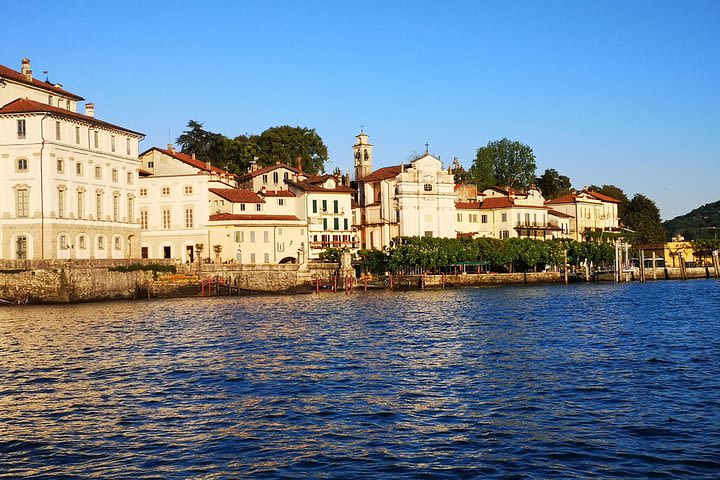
column 70, row 180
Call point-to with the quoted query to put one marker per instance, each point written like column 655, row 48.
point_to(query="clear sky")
column 624, row 93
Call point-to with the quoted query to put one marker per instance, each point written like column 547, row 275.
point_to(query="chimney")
column 207, row 165
column 90, row 109
column 25, row 69
column 192, row 155
column 299, row 163
column 171, row 148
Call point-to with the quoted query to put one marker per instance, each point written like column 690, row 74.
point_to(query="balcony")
column 334, row 244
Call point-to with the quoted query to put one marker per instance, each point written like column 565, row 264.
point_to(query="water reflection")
column 591, row 380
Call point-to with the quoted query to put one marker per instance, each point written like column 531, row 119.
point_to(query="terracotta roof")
column 315, row 188
column 239, row 217
column 497, row 202
column 236, row 195
column 24, row 105
column 555, row 213
column 467, row 205
column 569, row 198
column 277, row 193
column 267, row 169
column 11, row 74
column 189, row 160
column 601, row 197
column 382, row 174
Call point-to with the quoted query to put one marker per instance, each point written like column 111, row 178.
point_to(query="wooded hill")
column 700, row 223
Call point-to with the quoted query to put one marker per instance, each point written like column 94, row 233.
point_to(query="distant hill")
column 694, row 225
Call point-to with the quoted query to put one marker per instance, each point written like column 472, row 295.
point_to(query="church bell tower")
column 362, row 151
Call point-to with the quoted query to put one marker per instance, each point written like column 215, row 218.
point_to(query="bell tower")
column 362, row 152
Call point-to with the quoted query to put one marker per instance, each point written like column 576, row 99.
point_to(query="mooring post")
column 565, row 268
column 654, row 267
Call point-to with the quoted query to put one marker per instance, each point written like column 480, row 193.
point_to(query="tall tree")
column 204, row 144
column 513, row 163
column 552, row 184
column 643, row 216
column 285, row 144
column 241, row 151
column 481, row 172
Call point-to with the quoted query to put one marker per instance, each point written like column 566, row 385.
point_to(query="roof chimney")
column 207, row 165
column 171, row 148
column 299, row 163
column 192, row 155
column 90, row 109
column 25, row 69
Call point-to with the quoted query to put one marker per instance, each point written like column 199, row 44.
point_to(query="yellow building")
column 672, row 252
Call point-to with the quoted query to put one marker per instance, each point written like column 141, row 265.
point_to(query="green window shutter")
column 314, row 206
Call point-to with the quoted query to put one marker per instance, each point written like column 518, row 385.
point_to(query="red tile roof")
column 316, row 188
column 602, row 197
column 277, row 193
column 236, row 195
column 467, row 205
column 572, row 198
column 497, row 202
column 569, row 198
column 24, row 105
column 11, row 74
column 382, row 174
column 189, row 160
column 239, row 217
column 267, row 169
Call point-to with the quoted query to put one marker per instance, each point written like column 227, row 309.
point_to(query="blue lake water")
column 585, row 381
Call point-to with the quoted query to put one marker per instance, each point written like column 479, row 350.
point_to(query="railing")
column 332, row 244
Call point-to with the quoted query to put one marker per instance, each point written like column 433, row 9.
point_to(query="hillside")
column 696, row 224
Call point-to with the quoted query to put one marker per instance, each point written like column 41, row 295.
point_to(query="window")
column 166, row 218
column 324, row 223
column 258, row 207
column 63, row 242
column 50, row 99
column 127, row 146
column 280, row 246
column 114, row 175
column 281, row 201
column 101, row 243
column 116, row 207
column 80, row 204
column 324, row 206
column 118, row 245
column 81, row 242
column 345, row 224
column 143, row 192
column 143, row 220
column 279, row 231
column 21, row 252
column 483, row 219
column 21, row 132
column 112, row 143
column 336, row 223
column 99, row 204
column 239, row 236
column 527, row 219
column 78, row 168
column 266, row 258
column 266, row 236
column 189, row 218
column 131, row 209
column 22, row 199
column 336, row 206
column 252, row 237
column 265, row 178
column 286, row 176
column 428, row 233
column 98, row 172
column 428, row 188
column 252, row 258
column 242, row 207
column 188, row 190
column 314, row 206
column 518, row 218
column 276, row 177
column 67, row 104
column 61, row 202
column 60, row 165
column 473, row 218
column 77, row 135
column 96, row 138
column 165, row 191
column 504, row 234
column 504, row 217
column 151, row 164
column 22, row 165
column 459, row 217
column 57, row 130
column 130, row 177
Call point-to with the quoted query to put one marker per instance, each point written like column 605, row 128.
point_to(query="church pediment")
column 427, row 163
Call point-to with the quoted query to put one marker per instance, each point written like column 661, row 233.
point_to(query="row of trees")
column 282, row 143
column 514, row 254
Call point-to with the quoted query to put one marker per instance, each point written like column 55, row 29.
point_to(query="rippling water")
column 599, row 380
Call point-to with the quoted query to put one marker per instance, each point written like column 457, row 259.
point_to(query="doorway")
column 190, row 253
column 167, row 252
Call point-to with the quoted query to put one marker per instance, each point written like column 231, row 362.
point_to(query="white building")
column 589, row 211
column 175, row 203
column 70, row 180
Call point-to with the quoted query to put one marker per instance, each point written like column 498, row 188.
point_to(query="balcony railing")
column 334, row 244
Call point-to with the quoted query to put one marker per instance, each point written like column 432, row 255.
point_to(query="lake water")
column 599, row 380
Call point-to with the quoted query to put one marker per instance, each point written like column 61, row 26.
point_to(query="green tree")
column 552, row 184
column 643, row 216
column 481, row 172
column 241, row 151
column 285, row 144
column 205, row 145
column 513, row 163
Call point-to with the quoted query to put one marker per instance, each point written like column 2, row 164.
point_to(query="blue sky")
column 623, row 93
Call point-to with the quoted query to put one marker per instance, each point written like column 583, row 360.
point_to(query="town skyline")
column 626, row 87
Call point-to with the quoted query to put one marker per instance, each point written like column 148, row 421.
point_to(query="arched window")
column 427, row 187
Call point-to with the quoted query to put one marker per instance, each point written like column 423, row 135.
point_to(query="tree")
column 481, row 172
column 552, row 184
column 205, row 145
column 643, row 216
column 285, row 144
column 513, row 163
column 241, row 151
